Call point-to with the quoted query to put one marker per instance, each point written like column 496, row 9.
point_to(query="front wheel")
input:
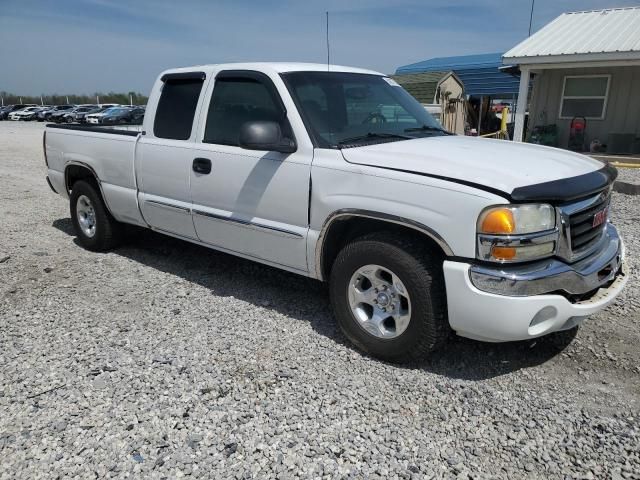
column 388, row 296
column 95, row 227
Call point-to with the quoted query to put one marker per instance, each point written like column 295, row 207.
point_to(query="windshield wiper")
column 372, row 136
column 427, row 128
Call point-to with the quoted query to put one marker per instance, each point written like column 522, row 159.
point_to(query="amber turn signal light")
column 503, row 253
column 498, row 221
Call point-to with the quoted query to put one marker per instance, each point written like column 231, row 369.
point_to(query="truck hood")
column 519, row 170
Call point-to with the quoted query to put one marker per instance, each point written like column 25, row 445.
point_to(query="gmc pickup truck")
column 339, row 174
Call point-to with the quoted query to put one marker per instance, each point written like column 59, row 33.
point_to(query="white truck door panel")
column 252, row 202
column 163, row 168
column 165, row 153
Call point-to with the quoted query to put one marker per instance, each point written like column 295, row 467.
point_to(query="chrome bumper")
column 552, row 275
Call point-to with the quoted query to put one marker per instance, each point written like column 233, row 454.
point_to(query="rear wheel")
column 388, row 296
column 96, row 229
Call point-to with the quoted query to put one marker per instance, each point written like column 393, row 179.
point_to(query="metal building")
column 480, row 74
column 583, row 64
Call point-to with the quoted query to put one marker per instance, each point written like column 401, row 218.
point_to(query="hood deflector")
column 567, row 189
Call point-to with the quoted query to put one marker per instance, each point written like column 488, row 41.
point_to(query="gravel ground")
column 164, row 359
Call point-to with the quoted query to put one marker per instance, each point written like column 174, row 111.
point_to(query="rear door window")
column 177, row 107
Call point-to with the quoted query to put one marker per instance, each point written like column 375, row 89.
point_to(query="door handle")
column 201, row 165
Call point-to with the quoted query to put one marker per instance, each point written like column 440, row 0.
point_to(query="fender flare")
column 93, row 173
column 385, row 217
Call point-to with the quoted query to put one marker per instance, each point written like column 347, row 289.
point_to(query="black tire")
column 108, row 231
column 420, row 270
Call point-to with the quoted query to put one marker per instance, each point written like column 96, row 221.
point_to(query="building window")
column 584, row 96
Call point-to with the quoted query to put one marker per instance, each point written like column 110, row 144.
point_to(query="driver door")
column 251, row 202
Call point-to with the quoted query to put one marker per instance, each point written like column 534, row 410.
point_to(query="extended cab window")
column 234, row 102
column 177, row 108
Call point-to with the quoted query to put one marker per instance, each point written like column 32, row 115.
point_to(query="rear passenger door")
column 251, row 202
column 164, row 154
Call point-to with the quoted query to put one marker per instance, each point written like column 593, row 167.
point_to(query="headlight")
column 517, row 232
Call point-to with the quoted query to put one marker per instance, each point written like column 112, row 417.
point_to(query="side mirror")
column 263, row 135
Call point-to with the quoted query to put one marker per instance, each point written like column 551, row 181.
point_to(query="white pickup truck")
column 339, row 174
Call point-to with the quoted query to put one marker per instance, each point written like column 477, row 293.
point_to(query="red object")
column 600, row 217
column 577, row 134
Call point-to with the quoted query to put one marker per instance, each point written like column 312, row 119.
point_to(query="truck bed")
column 131, row 130
column 107, row 151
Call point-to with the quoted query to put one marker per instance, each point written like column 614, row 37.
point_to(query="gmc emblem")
column 600, row 217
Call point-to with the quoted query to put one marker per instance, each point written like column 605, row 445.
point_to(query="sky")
column 87, row 46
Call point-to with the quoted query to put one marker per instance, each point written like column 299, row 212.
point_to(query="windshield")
column 341, row 108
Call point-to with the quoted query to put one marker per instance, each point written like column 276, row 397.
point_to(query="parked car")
column 58, row 115
column 94, row 118
column 61, row 116
column 27, row 113
column 122, row 115
column 33, row 115
column 79, row 114
column 419, row 232
column 45, row 115
column 4, row 113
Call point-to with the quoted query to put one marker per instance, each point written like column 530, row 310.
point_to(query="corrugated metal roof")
column 479, row 73
column 611, row 31
column 421, row 85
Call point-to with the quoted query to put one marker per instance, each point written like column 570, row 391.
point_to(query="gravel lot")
column 165, row 359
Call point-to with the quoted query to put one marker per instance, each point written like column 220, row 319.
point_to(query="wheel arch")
column 344, row 225
column 75, row 170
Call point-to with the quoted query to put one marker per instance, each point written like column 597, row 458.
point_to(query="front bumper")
column 552, row 275
column 517, row 303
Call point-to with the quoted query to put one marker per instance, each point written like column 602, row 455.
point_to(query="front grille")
column 583, row 233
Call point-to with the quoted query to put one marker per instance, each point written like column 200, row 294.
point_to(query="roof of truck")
column 278, row 67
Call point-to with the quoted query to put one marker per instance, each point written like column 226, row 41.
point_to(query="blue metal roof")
column 479, row 73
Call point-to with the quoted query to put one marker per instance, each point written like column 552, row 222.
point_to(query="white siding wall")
column 623, row 105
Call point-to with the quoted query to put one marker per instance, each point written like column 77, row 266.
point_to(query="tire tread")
column 108, row 231
column 425, row 266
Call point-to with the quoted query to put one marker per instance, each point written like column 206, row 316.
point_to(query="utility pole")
column 130, row 100
column 533, row 3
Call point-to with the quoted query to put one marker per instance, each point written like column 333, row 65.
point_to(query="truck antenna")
column 327, row 14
